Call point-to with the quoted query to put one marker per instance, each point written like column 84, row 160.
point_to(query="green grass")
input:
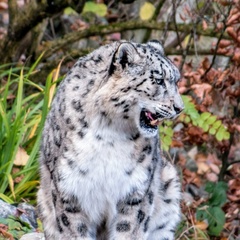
column 24, row 106
column 189, row 231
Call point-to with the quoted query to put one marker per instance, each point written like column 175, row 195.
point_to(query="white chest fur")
column 101, row 176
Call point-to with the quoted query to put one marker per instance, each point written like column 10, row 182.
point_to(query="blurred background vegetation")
column 41, row 40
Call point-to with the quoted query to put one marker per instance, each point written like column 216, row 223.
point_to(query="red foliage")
column 215, row 90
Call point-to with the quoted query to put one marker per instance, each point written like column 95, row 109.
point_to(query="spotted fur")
column 102, row 174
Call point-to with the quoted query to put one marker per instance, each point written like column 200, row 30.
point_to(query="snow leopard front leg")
column 132, row 221
column 167, row 212
column 65, row 220
column 62, row 217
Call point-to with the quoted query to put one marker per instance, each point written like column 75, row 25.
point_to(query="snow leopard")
column 103, row 176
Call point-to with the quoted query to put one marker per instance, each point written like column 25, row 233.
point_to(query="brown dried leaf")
column 232, row 33
column 212, row 75
column 182, row 90
column 224, row 43
column 201, row 225
column 212, row 177
column 3, row 226
column 201, row 89
column 201, row 71
column 224, row 51
column 224, row 3
column 79, row 25
column 207, row 101
column 187, row 10
column 233, row 18
column 237, row 93
column 233, row 11
column 214, row 168
column 191, row 177
column 237, row 127
column 202, row 168
column 205, row 63
column 183, row 17
column 188, row 67
column 204, row 25
column 6, row 234
column 212, row 158
column 219, row 26
column 196, row 77
column 21, row 157
column 222, row 77
column 177, row 143
column 233, row 198
column 195, row 131
column 200, row 157
column 236, row 56
column 3, row 6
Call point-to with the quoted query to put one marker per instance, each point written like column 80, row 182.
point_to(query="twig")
column 175, row 22
column 224, row 159
column 218, row 42
column 233, row 162
column 154, row 18
column 225, row 163
column 185, row 51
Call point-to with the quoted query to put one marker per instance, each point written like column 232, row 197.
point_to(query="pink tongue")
column 148, row 114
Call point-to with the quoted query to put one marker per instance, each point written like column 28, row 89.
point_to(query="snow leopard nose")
column 177, row 109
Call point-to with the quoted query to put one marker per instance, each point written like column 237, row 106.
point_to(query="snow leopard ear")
column 126, row 54
column 157, row 45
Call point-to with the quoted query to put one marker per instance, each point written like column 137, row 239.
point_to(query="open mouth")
column 149, row 120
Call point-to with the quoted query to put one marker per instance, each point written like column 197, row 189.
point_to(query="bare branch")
column 32, row 14
column 191, row 51
column 26, row 18
column 233, row 162
column 101, row 30
column 185, row 51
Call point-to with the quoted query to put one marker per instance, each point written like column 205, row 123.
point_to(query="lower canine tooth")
column 154, row 122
